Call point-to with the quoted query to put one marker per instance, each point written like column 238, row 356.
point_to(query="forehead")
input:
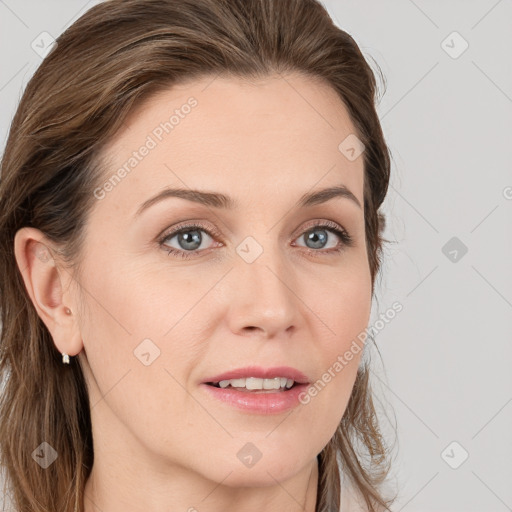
column 252, row 137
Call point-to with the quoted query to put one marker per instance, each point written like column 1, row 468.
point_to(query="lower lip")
column 258, row 402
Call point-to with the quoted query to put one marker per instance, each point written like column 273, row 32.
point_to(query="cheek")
column 139, row 338
column 344, row 307
column 342, row 303
column 137, row 371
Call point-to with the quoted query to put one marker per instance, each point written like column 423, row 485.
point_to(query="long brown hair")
column 117, row 54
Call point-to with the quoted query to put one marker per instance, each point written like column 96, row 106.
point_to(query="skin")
column 160, row 442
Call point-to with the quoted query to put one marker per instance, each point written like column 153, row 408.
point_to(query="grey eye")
column 188, row 239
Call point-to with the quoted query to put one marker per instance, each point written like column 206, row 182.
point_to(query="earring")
column 65, row 358
column 67, row 311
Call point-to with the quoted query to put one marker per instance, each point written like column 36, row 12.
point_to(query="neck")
column 138, row 490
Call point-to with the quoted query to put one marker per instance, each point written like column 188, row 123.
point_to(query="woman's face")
column 259, row 286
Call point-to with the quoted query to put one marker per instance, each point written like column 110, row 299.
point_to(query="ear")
column 45, row 283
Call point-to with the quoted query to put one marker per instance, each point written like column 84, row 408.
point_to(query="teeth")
column 255, row 383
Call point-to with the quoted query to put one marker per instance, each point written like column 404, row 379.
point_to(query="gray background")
column 445, row 372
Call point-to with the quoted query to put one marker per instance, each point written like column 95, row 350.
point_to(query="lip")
column 256, row 401
column 259, row 402
column 261, row 373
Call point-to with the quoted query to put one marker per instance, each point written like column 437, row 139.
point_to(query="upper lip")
column 261, row 373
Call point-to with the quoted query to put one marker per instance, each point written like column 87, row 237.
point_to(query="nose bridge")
column 262, row 258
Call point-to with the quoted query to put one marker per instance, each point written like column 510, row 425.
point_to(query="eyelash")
column 346, row 239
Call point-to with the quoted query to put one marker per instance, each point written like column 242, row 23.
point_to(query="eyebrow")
column 218, row 200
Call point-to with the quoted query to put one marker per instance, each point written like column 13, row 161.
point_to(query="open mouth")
column 256, row 385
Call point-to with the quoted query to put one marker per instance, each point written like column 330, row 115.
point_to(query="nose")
column 264, row 299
